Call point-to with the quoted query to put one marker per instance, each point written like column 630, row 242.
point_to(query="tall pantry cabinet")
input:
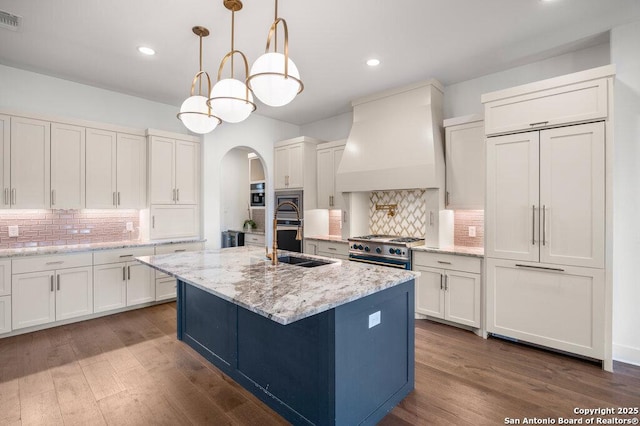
column 546, row 213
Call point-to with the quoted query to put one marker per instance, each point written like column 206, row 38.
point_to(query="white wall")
column 330, row 129
column 464, row 98
column 234, row 197
column 256, row 133
column 625, row 54
column 29, row 92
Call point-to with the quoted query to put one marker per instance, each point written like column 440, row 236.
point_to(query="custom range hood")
column 395, row 141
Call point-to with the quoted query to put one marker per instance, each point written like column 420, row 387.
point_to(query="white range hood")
column 395, row 141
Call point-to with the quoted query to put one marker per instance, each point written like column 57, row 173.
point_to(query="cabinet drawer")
column 165, row 288
column 120, row 255
column 333, row 248
column 45, row 263
column 448, row 261
column 570, row 103
column 254, row 239
column 178, row 247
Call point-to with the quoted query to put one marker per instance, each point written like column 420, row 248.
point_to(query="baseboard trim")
column 626, row 354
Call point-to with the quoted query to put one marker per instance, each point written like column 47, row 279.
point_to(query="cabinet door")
column 174, row 222
column 512, row 197
column 465, row 165
column 311, row 247
column 325, row 178
column 131, row 170
column 101, row 169
column 109, row 287
column 462, row 298
column 30, row 163
column 281, row 169
column 74, row 292
column 162, row 185
column 296, row 166
column 165, row 288
column 562, row 309
column 572, row 195
column 33, row 299
column 187, row 172
column 5, row 162
column 5, row 277
column 141, row 284
column 430, row 292
column 5, row 314
column 67, row 167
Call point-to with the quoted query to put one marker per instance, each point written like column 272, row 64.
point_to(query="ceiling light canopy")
column 194, row 113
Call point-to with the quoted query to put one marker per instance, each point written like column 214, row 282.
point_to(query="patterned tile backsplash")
column 39, row 228
column 462, row 220
column 409, row 218
column 335, row 222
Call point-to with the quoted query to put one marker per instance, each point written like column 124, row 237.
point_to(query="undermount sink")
column 303, row 261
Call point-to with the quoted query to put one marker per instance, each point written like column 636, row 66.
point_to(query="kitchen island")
column 332, row 344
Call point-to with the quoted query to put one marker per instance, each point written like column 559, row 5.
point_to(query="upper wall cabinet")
column 115, row 170
column 295, row 164
column 29, row 186
column 5, row 149
column 329, row 156
column 67, row 166
column 465, row 162
column 174, row 171
column 574, row 98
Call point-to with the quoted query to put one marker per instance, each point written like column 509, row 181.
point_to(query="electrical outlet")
column 13, row 230
column 129, row 226
column 472, row 231
column 374, row 319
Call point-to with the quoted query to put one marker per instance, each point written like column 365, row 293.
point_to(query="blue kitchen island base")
column 338, row 367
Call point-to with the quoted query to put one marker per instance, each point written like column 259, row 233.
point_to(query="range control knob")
column 355, row 246
column 378, row 250
column 391, row 251
column 398, row 251
column 359, row 246
column 367, row 249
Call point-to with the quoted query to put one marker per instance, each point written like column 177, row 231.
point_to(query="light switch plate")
column 472, row 231
column 13, row 230
column 129, row 226
column 374, row 319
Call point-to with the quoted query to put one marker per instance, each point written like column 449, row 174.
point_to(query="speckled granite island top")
column 284, row 293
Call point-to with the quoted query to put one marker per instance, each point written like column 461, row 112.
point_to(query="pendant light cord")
column 233, row 23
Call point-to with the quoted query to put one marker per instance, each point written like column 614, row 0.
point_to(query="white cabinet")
column 328, row 157
column 174, row 171
column 55, row 288
column 121, row 281
column 67, row 166
column 5, row 314
column 165, row 288
column 448, row 287
column 115, row 170
column 30, row 164
column 254, row 240
column 561, row 307
column 171, row 221
column 5, row 149
column 310, row 246
column 295, row 167
column 5, row 277
column 165, row 284
column 546, row 196
column 465, row 163
column 333, row 249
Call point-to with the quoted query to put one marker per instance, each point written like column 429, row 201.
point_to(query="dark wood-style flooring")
column 129, row 369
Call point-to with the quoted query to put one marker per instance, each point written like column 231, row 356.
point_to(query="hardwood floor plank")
column 77, row 402
column 9, row 394
column 40, row 409
column 102, row 379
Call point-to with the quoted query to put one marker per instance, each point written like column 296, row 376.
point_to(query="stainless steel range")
column 386, row 250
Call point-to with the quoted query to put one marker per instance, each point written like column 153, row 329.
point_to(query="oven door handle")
column 287, row 228
column 373, row 262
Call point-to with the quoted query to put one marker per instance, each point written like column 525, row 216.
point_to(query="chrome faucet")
column 274, row 250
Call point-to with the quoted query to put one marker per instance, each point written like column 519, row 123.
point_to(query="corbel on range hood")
column 395, row 141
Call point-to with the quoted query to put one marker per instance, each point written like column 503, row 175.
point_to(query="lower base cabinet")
column 332, row 249
column 560, row 307
column 141, row 285
column 166, row 288
column 5, row 314
column 110, row 284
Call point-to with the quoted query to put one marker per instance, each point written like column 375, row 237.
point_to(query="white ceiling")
column 94, row 42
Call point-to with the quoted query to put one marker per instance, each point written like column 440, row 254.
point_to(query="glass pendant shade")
column 228, row 100
column 268, row 80
column 194, row 114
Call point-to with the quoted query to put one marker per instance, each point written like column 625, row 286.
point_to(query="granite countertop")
column 284, row 293
column 37, row 251
column 458, row 250
column 334, row 238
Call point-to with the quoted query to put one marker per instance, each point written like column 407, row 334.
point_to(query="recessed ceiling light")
column 373, row 62
column 146, row 50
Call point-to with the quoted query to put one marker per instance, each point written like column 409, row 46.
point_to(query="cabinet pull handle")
column 128, row 272
column 446, row 283
column 441, row 280
column 444, row 262
column 58, row 279
column 446, row 198
column 126, row 255
column 13, row 196
column 51, row 283
column 332, row 248
column 5, row 196
column 59, row 262
column 544, row 268
column 53, row 197
column 113, row 199
column 173, row 194
column 179, row 250
column 430, row 217
column 533, row 225
column 118, row 197
column 153, row 222
column 124, row 273
column 178, row 194
column 544, row 225
column 540, row 123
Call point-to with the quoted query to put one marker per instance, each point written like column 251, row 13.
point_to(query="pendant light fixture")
column 231, row 99
column 275, row 79
column 195, row 113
